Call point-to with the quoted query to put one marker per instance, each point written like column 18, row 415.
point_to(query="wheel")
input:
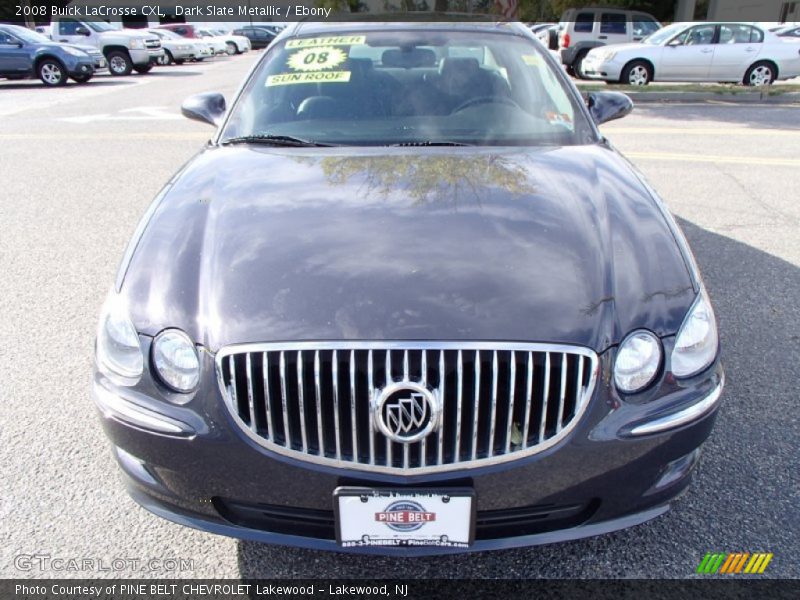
column 143, row 68
column 52, row 73
column 637, row 73
column 577, row 65
column 166, row 59
column 119, row 63
column 761, row 73
column 230, row 48
column 82, row 78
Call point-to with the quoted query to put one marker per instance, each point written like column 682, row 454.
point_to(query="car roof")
column 319, row 27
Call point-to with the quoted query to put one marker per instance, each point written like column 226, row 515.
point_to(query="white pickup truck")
column 125, row 50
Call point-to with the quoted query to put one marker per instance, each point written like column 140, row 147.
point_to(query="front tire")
column 637, row 73
column 52, row 73
column 761, row 73
column 143, row 68
column 82, row 78
column 230, row 48
column 167, row 59
column 577, row 65
column 119, row 63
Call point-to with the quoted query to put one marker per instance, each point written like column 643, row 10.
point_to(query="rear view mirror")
column 206, row 108
column 607, row 106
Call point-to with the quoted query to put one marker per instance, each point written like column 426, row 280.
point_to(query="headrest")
column 459, row 67
column 409, row 59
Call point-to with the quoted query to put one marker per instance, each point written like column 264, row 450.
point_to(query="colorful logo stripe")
column 734, row 562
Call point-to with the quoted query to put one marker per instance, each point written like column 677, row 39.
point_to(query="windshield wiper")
column 274, row 140
column 432, row 143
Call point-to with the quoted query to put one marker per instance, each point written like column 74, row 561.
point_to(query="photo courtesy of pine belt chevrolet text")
column 407, row 300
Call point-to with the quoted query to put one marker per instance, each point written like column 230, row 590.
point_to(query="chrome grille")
column 152, row 43
column 313, row 400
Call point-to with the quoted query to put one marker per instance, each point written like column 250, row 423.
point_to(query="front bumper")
column 596, row 68
column 81, row 67
column 191, row 464
column 146, row 56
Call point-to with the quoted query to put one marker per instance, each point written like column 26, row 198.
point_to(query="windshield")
column 166, row 34
column 101, row 26
column 664, row 34
column 406, row 87
column 26, row 35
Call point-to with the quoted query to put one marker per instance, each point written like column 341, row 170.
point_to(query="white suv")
column 582, row 29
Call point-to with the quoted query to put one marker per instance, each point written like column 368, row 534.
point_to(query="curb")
column 695, row 97
column 741, row 98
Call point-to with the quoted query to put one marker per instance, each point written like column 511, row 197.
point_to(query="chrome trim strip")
column 528, row 396
column 355, row 464
column 267, row 396
column 493, row 417
column 440, row 432
column 459, row 402
column 371, row 391
column 423, row 449
column 318, row 401
column 684, row 416
column 250, row 404
column 335, row 373
column 476, row 404
column 512, row 384
column 287, row 433
column 301, row 400
column 353, row 404
column 546, row 396
column 115, row 407
column 562, row 392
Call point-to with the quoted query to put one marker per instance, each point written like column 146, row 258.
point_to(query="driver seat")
column 462, row 79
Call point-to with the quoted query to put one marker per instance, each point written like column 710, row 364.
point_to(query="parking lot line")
column 708, row 158
column 704, row 131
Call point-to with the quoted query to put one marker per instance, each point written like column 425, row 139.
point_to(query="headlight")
column 638, row 361
column 136, row 44
column 697, row 340
column 607, row 55
column 75, row 51
column 118, row 353
column 175, row 360
column 186, row 47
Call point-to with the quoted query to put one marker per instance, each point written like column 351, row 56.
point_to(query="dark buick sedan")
column 407, row 300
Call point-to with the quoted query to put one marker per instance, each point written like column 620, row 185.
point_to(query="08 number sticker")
column 316, row 59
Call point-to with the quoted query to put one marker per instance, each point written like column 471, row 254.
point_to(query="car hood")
column 254, row 243
column 632, row 47
column 84, row 48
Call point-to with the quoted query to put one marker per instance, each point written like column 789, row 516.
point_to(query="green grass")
column 715, row 88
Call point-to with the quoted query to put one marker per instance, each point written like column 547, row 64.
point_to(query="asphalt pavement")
column 79, row 166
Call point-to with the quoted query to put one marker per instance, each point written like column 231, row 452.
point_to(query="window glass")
column 68, row 26
column 584, row 22
column 702, row 34
column 731, row 33
column 756, row 35
column 612, row 23
column 399, row 87
column 643, row 25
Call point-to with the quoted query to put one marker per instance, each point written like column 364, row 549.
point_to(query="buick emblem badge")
column 406, row 411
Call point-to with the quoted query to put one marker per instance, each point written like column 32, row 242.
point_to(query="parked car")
column 25, row 53
column 217, row 44
column 547, row 34
column 235, row 43
column 260, row 37
column 585, row 28
column 458, row 320
column 789, row 32
column 720, row 52
column 125, row 50
column 178, row 49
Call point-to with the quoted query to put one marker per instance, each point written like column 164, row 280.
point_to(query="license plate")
column 418, row 517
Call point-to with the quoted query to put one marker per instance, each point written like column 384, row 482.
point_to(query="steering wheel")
column 497, row 99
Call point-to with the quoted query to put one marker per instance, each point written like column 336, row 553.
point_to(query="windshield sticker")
column 532, row 60
column 316, row 58
column 339, row 40
column 315, row 77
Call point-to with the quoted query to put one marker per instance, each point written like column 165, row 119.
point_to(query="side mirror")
column 674, row 43
column 607, row 106
column 207, row 108
column 82, row 31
